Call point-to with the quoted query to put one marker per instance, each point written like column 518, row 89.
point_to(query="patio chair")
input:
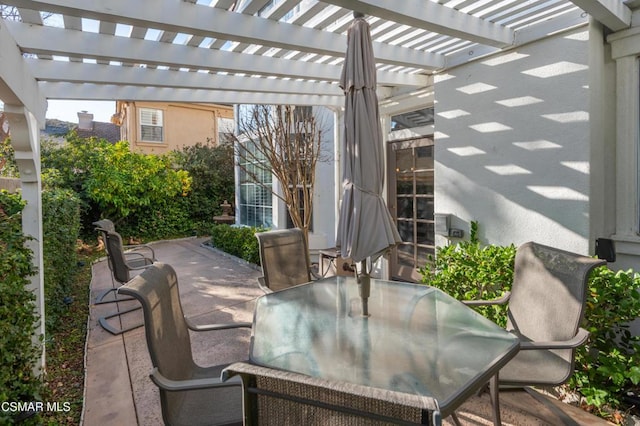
column 121, row 263
column 140, row 254
column 276, row 397
column 545, row 309
column 284, row 259
column 189, row 394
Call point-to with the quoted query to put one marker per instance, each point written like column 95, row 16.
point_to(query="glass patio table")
column 416, row 340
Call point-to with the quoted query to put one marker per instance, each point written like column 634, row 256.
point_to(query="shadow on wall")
column 514, row 130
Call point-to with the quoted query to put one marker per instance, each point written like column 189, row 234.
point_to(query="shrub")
column 167, row 219
column 61, row 228
column 238, row 241
column 212, row 171
column 469, row 271
column 17, row 310
column 610, row 361
column 111, row 181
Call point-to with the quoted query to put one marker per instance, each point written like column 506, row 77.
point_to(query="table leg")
column 454, row 417
column 495, row 399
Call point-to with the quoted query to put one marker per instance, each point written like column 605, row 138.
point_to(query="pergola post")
column 25, row 140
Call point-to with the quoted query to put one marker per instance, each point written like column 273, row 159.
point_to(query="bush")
column 238, row 241
column 61, row 228
column 167, row 219
column 469, row 271
column 17, row 310
column 113, row 182
column 212, row 172
column 609, row 363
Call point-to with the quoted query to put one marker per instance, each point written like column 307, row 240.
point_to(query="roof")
column 59, row 129
column 262, row 51
column 100, row 130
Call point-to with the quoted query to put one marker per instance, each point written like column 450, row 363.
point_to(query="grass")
column 64, row 381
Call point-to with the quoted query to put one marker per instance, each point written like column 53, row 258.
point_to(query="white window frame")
column 152, row 118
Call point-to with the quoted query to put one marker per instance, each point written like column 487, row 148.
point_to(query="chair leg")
column 116, row 331
column 494, row 392
column 100, row 298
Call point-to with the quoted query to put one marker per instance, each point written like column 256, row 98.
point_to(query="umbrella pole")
column 364, row 286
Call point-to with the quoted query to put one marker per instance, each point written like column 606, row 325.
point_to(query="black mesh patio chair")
column 274, row 397
column 189, row 394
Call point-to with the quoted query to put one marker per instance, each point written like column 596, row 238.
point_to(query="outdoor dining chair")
column 545, row 309
column 274, row 397
column 189, row 393
column 284, row 258
column 122, row 263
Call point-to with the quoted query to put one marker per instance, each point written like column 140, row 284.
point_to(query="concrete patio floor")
column 215, row 287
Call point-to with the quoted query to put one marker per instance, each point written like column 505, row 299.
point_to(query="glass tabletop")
column 417, row 339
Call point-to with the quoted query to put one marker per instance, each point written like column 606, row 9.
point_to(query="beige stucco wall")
column 184, row 125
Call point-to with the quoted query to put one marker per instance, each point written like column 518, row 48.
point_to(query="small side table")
column 330, row 263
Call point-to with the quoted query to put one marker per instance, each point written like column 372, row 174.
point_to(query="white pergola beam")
column 106, row 92
column 121, row 49
column 613, row 14
column 73, row 72
column 434, row 17
column 206, row 21
column 17, row 84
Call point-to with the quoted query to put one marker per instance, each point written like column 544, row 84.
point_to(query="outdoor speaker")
column 605, row 249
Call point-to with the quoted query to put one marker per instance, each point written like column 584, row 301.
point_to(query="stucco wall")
column 512, row 144
column 184, row 125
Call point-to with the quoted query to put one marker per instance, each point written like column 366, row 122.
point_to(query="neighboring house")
column 161, row 127
column 88, row 128
column 57, row 130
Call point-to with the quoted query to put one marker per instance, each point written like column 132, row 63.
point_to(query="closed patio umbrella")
column 365, row 228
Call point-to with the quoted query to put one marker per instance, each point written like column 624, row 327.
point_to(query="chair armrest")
column 140, row 247
column 192, row 384
column 140, row 262
column 314, row 276
column 263, row 285
column 213, row 327
column 576, row 341
column 499, row 301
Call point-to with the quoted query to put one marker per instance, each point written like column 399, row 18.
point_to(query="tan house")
column 160, row 127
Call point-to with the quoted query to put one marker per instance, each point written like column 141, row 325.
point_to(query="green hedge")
column 470, row 271
column 61, row 228
column 238, row 241
column 17, row 310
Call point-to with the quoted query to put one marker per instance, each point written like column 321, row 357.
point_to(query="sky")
column 68, row 110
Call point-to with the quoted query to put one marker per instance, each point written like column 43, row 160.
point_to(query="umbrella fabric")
column 365, row 227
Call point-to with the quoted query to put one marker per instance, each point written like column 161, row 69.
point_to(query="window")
column 412, row 119
column 413, row 190
column 255, row 205
column 225, row 129
column 151, row 127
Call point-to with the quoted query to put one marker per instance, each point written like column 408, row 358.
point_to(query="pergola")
column 244, row 52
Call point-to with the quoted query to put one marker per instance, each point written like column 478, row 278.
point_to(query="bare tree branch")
column 286, row 142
